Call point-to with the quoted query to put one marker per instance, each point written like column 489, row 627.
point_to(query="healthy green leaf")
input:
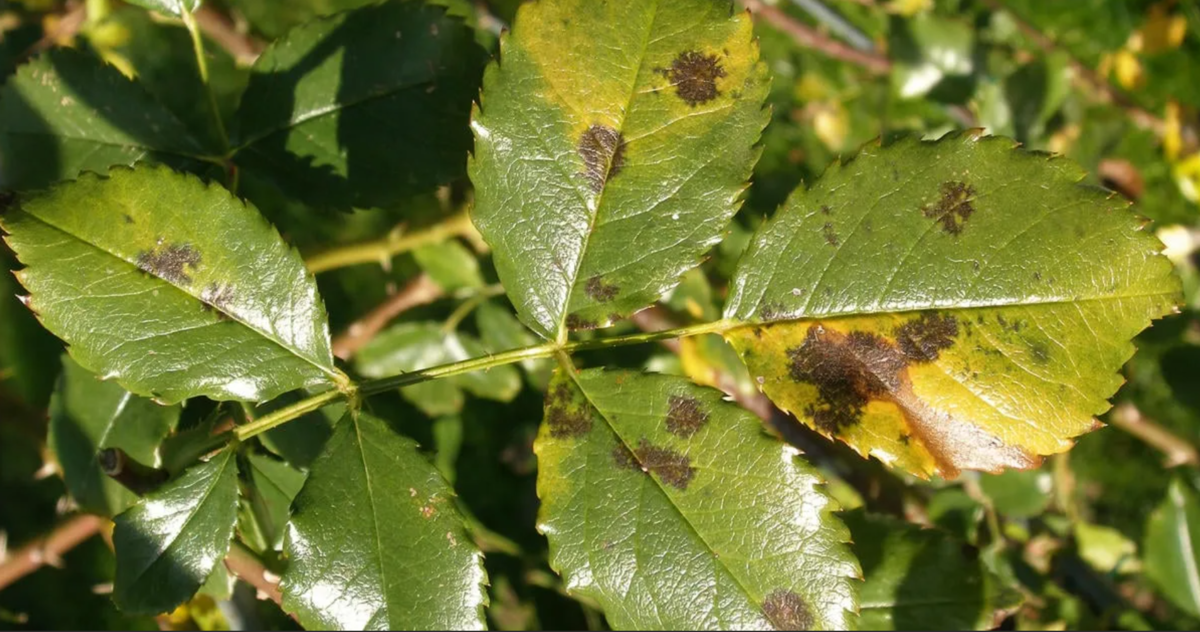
column 168, row 544
column 87, row 416
column 414, row 346
column 364, row 108
column 269, row 489
column 1171, row 549
column 28, row 354
column 1018, row 494
column 376, row 541
column 948, row 305
column 450, row 265
column 922, row 579
column 67, row 112
column 673, row 510
column 613, row 142
column 170, row 7
column 223, row 307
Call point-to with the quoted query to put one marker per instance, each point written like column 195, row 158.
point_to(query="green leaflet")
column 28, row 353
column 67, row 112
column 948, row 305
column 168, row 544
column 674, row 510
column 450, row 264
column 1171, row 549
column 364, row 108
column 269, row 488
column 922, row 579
column 613, row 141
column 377, row 542
column 87, row 416
column 414, row 346
column 223, row 307
column 170, row 7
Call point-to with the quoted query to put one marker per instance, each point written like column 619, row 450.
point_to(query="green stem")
column 288, row 413
column 202, row 64
column 475, row 300
column 381, row 251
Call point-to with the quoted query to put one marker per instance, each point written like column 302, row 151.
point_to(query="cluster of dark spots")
column 1013, row 326
column 564, row 418
column 953, row 208
column 685, row 416
column 172, row 262
column 576, row 323
column 671, row 467
column 923, row 339
column 603, row 151
column 787, row 611
column 770, row 312
column 831, row 237
column 825, row 210
column 694, row 76
column 848, row 371
column 624, row 459
column 217, row 296
column 600, row 291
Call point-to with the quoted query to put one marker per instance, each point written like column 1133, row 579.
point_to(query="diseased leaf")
column 673, row 510
column 613, row 141
column 376, row 541
column 87, row 416
column 948, row 305
column 170, row 7
column 414, row 346
column 922, row 579
column 168, row 544
column 223, row 307
column 364, row 108
column 67, row 112
column 1171, row 549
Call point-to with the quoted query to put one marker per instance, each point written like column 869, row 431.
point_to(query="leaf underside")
column 673, row 510
column 948, row 305
column 612, row 143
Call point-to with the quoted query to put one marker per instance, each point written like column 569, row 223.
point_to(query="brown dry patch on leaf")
column 576, row 323
column 953, row 208
column 603, row 151
column 923, row 339
column 600, row 291
column 685, row 416
column 624, row 459
column 171, row 262
column 564, row 416
column 694, row 76
column 787, row 611
column 671, row 467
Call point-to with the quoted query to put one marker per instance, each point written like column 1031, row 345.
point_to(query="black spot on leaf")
column 825, row 210
column 624, row 458
column 953, row 208
column 831, row 237
column 576, row 323
column 685, row 416
column 171, row 262
column 564, row 418
column 923, row 339
column 600, row 291
column 694, row 76
column 787, row 611
column 128, row 218
column 603, row 151
column 671, row 467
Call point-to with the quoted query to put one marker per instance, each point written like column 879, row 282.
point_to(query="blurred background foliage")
column 1099, row 538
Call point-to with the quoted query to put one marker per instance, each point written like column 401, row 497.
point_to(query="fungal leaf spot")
column 602, row 149
column 623, row 458
column 694, row 76
column 685, row 416
column 600, row 291
column 831, row 237
column 669, row 466
column 923, row 339
column 787, row 611
column 566, row 415
column 171, row 262
column 577, row 323
column 953, row 208
column 218, row 297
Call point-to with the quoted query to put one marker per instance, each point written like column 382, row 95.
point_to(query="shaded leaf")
column 450, row 265
column 168, row 544
column 376, row 541
column 28, row 353
column 1171, row 548
column 364, row 108
column 948, row 305
column 87, row 416
column 626, row 131
column 301, row 440
column 67, row 112
column 673, row 510
column 223, row 307
column 921, row 579
column 269, row 489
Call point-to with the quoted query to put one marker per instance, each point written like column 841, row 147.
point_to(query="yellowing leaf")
column 1162, row 31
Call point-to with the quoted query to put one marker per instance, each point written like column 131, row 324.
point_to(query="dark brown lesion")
column 923, row 339
column 671, row 467
column 831, row 236
column 602, row 149
column 599, row 291
column 787, row 611
column 171, row 262
column 694, row 76
column 685, row 416
column 564, row 415
column 953, row 207
column 576, row 322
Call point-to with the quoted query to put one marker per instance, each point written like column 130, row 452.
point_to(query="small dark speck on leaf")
column 953, row 208
column 602, row 149
column 576, row 323
column 787, row 611
column 600, row 291
column 171, row 262
column 831, row 237
column 694, row 76
column 685, row 416
column 825, row 210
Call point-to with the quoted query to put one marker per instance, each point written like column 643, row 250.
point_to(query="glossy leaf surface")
column 673, row 510
column 170, row 7
column 613, row 141
column 948, row 305
column 363, row 108
column 376, row 541
column 168, row 544
column 224, row 308
column 87, row 416
column 67, row 112
column 1171, row 547
column 923, row 579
